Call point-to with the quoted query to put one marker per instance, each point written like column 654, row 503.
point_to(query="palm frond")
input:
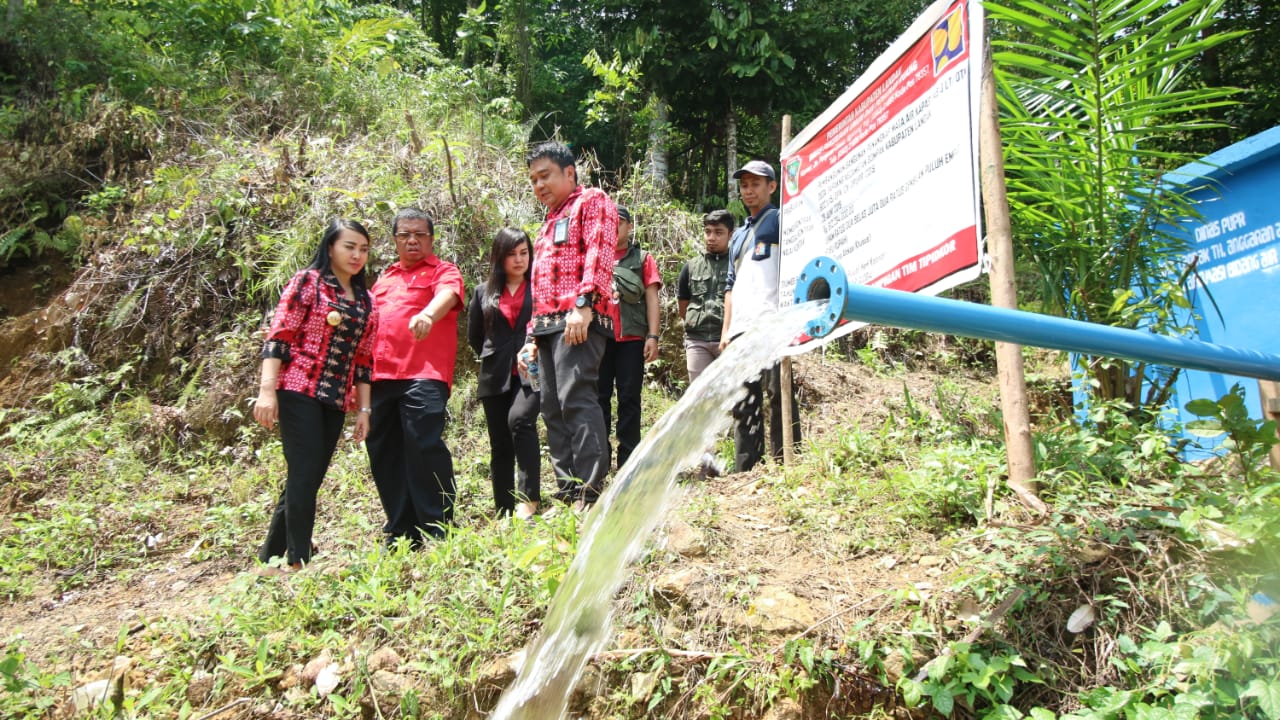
column 1094, row 97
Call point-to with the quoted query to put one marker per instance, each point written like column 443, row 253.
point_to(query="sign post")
column 784, row 374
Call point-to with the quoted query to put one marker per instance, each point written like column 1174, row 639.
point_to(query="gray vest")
column 628, row 281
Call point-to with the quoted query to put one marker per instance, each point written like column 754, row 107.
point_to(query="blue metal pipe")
column 824, row 278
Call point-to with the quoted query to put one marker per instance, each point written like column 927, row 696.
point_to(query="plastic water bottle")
column 535, row 382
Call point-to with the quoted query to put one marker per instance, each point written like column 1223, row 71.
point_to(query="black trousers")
column 411, row 465
column 571, row 412
column 748, row 415
column 512, row 421
column 623, row 367
column 309, row 432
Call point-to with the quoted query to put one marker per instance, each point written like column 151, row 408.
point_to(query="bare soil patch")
column 62, row 629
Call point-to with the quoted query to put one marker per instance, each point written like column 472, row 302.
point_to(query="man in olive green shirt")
column 700, row 291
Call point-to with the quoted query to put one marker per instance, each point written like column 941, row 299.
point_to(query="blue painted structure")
column 824, row 278
column 1236, row 245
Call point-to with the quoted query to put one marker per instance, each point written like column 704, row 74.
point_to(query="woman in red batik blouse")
column 316, row 366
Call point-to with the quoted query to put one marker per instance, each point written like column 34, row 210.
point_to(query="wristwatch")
column 582, row 301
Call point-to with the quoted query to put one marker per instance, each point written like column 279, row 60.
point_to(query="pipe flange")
column 823, row 279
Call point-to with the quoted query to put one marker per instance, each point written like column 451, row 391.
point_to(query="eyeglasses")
column 407, row 235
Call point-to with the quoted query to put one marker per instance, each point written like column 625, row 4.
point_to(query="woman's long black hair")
column 321, row 259
column 504, row 243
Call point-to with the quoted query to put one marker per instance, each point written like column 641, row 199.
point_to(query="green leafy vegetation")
column 1170, row 561
column 1096, row 106
column 182, row 156
column 28, row 691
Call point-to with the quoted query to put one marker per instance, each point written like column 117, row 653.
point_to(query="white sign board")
column 885, row 181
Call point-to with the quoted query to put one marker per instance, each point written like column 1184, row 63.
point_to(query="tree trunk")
column 731, row 153
column 659, row 165
column 467, row 60
column 516, row 18
column 705, row 169
column 437, row 27
column 1211, row 73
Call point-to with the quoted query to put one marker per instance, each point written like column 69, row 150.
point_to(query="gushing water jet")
column 577, row 621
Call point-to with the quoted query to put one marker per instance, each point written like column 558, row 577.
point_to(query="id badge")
column 560, row 234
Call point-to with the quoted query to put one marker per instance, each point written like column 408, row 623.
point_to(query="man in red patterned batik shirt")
column 572, row 281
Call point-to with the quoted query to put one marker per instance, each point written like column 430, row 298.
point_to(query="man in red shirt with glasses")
column 413, row 362
column 572, row 287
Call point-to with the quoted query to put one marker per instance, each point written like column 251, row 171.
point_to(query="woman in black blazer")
column 496, row 322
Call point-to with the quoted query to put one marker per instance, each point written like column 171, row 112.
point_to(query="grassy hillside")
column 172, row 165
column 887, row 569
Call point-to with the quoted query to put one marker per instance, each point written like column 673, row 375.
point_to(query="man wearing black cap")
column 636, row 314
column 751, row 291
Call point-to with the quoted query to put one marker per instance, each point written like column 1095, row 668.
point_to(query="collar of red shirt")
column 428, row 260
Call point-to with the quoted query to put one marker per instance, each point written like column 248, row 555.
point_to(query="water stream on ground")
column 577, row 621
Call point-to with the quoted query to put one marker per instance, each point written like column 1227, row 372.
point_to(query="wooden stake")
column 784, row 391
column 1009, row 365
column 1269, row 391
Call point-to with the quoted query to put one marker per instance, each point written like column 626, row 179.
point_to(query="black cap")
column 624, row 214
column 757, row 167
